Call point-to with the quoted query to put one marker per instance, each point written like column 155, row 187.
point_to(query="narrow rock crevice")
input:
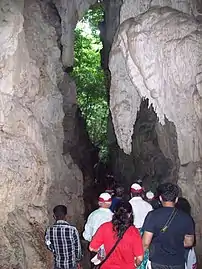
column 46, row 155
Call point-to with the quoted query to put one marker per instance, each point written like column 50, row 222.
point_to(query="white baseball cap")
column 136, row 188
column 105, row 198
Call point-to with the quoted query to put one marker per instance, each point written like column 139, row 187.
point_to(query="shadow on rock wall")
column 146, row 161
column 77, row 142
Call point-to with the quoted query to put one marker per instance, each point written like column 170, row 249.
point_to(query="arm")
column 149, row 229
column 88, row 231
column 77, row 245
column 48, row 241
column 98, row 239
column 146, row 240
column 188, row 240
column 189, row 233
column 138, row 248
column 138, row 260
column 93, row 250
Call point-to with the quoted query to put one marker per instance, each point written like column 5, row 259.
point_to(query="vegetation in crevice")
column 89, row 78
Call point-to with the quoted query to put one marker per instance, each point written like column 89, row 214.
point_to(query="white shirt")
column 140, row 210
column 95, row 220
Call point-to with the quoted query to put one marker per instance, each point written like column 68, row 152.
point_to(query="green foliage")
column 93, row 17
column 89, row 78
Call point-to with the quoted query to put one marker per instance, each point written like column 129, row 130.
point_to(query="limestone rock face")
column 154, row 66
column 132, row 8
column 34, row 174
column 70, row 12
column 158, row 55
column 108, row 29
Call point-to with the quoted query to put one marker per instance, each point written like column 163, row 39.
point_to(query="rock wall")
column 168, row 65
column 70, row 12
column 34, row 173
column 147, row 160
column 108, row 29
column 157, row 55
column 77, row 142
column 38, row 100
column 132, row 8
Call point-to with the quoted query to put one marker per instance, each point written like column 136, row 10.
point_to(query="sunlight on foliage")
column 89, row 78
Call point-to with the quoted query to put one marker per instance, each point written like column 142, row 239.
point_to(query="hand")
column 79, row 266
column 137, row 261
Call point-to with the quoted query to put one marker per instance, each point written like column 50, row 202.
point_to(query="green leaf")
column 89, row 78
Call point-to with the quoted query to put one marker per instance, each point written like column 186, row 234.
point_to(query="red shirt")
column 128, row 248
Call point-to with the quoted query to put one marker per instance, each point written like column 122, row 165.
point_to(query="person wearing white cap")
column 140, row 210
column 140, row 207
column 149, row 196
column 99, row 216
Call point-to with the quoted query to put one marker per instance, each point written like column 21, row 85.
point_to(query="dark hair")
column 60, row 211
column 119, row 191
column 158, row 191
column 169, row 192
column 183, row 205
column 122, row 218
column 139, row 181
column 137, row 194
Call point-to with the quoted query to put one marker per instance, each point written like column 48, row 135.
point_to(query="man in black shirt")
column 167, row 231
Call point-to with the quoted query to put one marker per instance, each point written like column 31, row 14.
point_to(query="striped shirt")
column 63, row 240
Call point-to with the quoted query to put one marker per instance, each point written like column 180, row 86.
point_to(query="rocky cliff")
column 35, row 174
column 157, row 55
